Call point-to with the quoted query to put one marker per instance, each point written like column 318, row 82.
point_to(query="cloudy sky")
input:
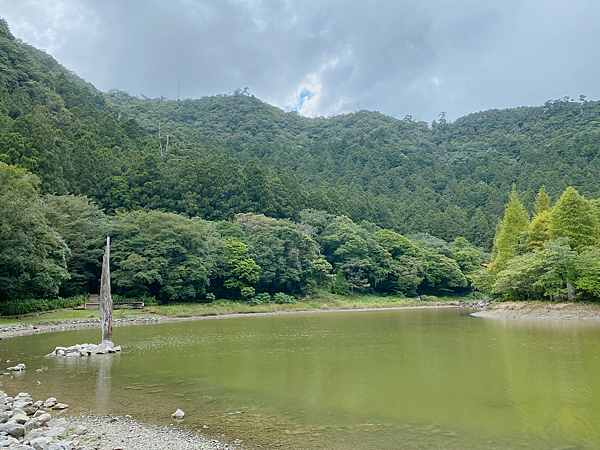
column 326, row 57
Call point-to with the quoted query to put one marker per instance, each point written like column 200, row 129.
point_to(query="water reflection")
column 423, row 379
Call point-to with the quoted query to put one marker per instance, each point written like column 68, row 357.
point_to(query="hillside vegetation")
column 238, row 199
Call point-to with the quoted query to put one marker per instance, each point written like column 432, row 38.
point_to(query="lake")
column 423, row 378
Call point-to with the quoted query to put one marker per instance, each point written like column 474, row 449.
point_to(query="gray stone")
column 4, row 416
column 178, row 414
column 80, row 429
column 58, row 446
column 43, row 418
column 49, row 403
column 57, row 432
column 32, row 423
column 38, row 404
column 58, row 423
column 14, row 429
column 40, row 443
column 34, row 434
column 19, row 418
column 8, row 442
column 60, row 406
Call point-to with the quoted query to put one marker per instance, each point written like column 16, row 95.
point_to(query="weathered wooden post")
column 106, row 303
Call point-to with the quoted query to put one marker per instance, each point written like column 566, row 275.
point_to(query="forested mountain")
column 233, row 153
column 448, row 179
column 229, row 196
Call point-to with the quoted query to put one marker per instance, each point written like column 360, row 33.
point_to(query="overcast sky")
column 326, row 57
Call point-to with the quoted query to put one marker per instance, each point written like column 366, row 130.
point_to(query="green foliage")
column 515, row 222
column 588, row 270
column 542, row 201
column 259, row 299
column 573, row 217
column 281, row 298
column 241, row 270
column 538, row 234
column 340, row 285
column 32, row 254
column 163, row 255
column 28, row 306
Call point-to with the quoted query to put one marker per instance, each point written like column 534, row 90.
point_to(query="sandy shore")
column 542, row 310
column 23, row 329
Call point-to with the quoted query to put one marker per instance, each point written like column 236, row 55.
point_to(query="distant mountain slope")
column 235, row 153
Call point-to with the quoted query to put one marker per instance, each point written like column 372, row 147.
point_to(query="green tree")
column 515, row 222
column 573, row 217
column 32, row 254
column 241, row 269
column 163, row 255
column 542, row 201
column 538, row 233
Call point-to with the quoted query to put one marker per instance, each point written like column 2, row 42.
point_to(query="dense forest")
column 228, row 196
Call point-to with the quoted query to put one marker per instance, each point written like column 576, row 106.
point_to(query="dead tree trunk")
column 106, row 304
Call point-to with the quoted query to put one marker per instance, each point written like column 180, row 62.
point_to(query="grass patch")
column 323, row 300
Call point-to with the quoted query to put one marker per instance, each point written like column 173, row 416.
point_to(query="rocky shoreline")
column 542, row 311
column 26, row 424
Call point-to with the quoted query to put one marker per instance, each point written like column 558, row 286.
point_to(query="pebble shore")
column 26, row 424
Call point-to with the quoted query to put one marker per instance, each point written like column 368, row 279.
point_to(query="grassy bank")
column 321, row 301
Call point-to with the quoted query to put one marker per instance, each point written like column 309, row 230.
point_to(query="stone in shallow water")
column 178, row 414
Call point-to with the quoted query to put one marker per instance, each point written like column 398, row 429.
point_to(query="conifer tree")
column 573, row 217
column 542, row 201
column 515, row 222
column 538, row 229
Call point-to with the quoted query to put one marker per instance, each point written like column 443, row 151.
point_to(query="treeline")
column 51, row 245
column 555, row 255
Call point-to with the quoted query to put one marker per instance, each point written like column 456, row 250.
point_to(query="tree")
column 573, row 217
column 242, row 271
column 163, row 255
column 83, row 226
column 538, row 233
column 515, row 222
column 32, row 254
column 542, row 201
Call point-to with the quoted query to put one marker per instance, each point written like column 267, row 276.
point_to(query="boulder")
column 59, row 406
column 14, row 429
column 80, row 430
column 40, row 443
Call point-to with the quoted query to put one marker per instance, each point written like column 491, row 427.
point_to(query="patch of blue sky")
column 304, row 95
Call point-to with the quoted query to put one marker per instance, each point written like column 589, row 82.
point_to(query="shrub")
column 261, row 298
column 27, row 306
column 282, row 298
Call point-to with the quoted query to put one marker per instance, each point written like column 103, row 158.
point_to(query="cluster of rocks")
column 477, row 304
column 25, row 425
column 85, row 350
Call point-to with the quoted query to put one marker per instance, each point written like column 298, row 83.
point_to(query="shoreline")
column 530, row 310
column 22, row 329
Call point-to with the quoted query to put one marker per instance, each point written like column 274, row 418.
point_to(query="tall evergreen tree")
column 542, row 201
column 515, row 222
column 573, row 217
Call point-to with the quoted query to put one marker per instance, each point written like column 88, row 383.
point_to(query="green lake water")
column 422, row 379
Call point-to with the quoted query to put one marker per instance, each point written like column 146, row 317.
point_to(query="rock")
column 34, row 434
column 19, row 418
column 40, row 443
column 32, row 423
column 57, row 432
column 4, row 416
column 14, row 429
column 80, row 430
column 178, row 414
column 117, row 348
column 57, row 423
column 8, row 442
column 43, row 418
column 38, row 404
column 58, row 446
column 49, row 403
column 59, row 406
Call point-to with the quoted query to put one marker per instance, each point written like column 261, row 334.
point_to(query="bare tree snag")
column 106, row 303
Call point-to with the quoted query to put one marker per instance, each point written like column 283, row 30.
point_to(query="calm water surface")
column 433, row 378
